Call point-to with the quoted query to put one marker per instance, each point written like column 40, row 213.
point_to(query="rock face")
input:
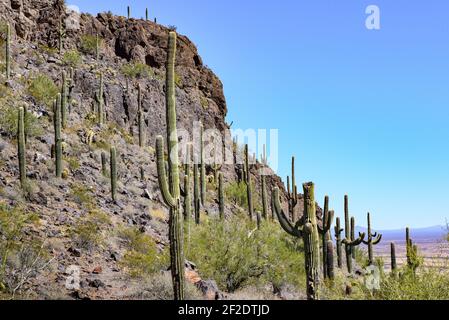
column 199, row 95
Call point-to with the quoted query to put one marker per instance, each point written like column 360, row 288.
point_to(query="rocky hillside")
column 132, row 53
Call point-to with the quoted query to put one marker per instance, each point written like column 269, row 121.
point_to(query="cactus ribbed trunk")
column 311, row 242
column 348, row 248
column 330, row 260
column 324, row 237
column 170, row 187
column 146, row 14
column 264, row 198
column 129, row 12
column 352, row 236
column 58, row 139
column 187, row 193
column 64, row 100
column 8, row 51
column 338, row 231
column 21, row 146
column 221, row 201
column 393, row 257
column 370, row 243
column 97, row 47
column 202, row 168
column 196, row 192
column 113, row 159
column 104, row 170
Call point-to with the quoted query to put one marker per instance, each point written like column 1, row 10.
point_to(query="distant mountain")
column 434, row 233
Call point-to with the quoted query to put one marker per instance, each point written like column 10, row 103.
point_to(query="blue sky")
column 365, row 112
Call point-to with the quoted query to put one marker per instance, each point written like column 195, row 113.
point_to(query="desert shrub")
column 43, row 89
column 137, row 70
column 141, row 257
column 235, row 254
column 236, row 193
column 9, row 119
column 73, row 162
column 88, row 44
column 159, row 287
column 71, row 58
column 87, row 232
column 22, row 257
column 82, row 195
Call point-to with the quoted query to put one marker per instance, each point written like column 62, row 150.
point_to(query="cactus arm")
column 326, row 224
column 377, row 239
column 283, row 221
column 355, row 242
column 162, row 175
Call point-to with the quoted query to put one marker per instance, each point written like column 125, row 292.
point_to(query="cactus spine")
column 338, row 232
column 140, row 118
column 221, row 203
column 350, row 244
column 58, row 139
column 393, row 257
column 247, row 180
column 104, row 170
column 292, row 196
column 64, row 100
column 8, row 51
column 170, row 186
column 373, row 239
column 21, row 146
column 307, row 229
column 328, row 217
column 100, row 101
column 113, row 159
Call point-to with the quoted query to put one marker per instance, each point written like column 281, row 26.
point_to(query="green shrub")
column 73, row 162
column 43, row 90
column 87, row 232
column 89, row 44
column 141, row 257
column 82, row 195
column 71, row 58
column 235, row 254
column 236, row 193
column 137, row 70
column 9, row 119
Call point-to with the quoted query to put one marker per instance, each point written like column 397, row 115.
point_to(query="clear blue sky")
column 364, row 112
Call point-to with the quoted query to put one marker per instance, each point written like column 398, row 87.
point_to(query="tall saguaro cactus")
column 393, row 257
column 129, row 12
column 292, row 195
column 21, row 146
column 187, row 193
column 350, row 244
column 247, row 180
column 328, row 217
column 372, row 240
column 58, row 139
column 196, row 191
column 146, row 14
column 337, row 232
column 170, row 186
column 113, row 162
column 64, row 100
column 8, row 51
column 202, row 168
column 100, row 101
column 307, row 229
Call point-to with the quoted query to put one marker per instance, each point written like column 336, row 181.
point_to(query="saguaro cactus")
column 330, row 260
column 146, row 14
column 113, row 159
column 393, row 257
column 196, row 191
column 97, row 47
column 140, row 118
column 202, row 168
column 187, row 193
column 328, row 217
column 170, row 186
column 21, row 146
column 247, row 180
column 104, row 170
column 292, row 195
column 411, row 252
column 350, row 244
column 64, row 100
column 372, row 240
column 129, row 12
column 221, row 203
column 100, row 101
column 58, row 139
column 264, row 198
column 338, row 231
column 8, row 51
column 307, row 229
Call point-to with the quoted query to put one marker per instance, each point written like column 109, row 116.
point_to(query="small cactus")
column 337, row 232
column 328, row 217
column 104, row 169
column 350, row 244
column 21, row 146
column 58, row 139
column 140, row 118
column 292, row 196
column 330, row 260
column 373, row 239
column 146, row 14
column 202, row 168
column 247, row 180
column 113, row 159
column 393, row 257
column 8, row 51
column 196, row 191
column 264, row 198
column 221, row 202
column 129, row 12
